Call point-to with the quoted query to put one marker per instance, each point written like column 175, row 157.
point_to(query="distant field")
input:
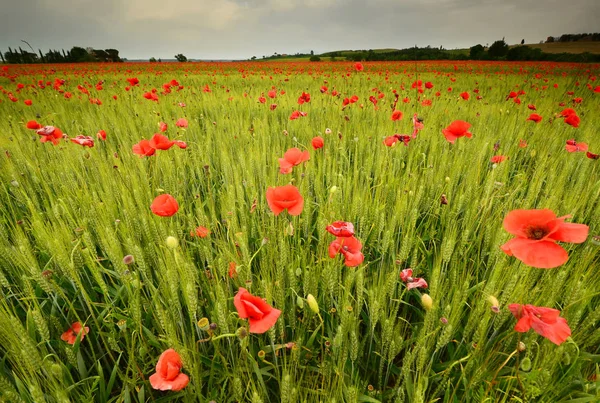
column 568, row 47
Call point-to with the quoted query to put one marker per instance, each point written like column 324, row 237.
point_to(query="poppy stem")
column 222, row 336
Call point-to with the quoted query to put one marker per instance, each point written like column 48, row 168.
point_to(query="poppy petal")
column 534, row 253
column 572, row 233
column 265, row 323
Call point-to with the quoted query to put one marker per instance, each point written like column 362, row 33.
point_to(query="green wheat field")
column 79, row 242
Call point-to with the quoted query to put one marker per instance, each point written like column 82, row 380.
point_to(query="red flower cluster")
column 146, row 148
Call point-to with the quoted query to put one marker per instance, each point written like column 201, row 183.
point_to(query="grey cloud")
column 243, row 28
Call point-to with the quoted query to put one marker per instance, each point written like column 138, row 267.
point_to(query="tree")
column 315, row 59
column 522, row 41
column 152, row 60
column 498, row 49
column 476, row 52
column 181, row 58
column 312, row 52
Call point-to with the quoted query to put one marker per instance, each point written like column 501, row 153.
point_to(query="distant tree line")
column 499, row 50
column 75, row 55
column 595, row 37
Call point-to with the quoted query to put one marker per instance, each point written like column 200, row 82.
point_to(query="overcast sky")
column 240, row 29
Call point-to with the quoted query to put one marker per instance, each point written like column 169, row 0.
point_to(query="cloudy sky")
column 240, row 29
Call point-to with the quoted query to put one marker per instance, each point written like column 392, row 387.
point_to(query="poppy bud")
column 525, row 364
column 521, row 347
column 447, row 179
column 443, row 200
column 312, row 303
column 427, row 302
column 172, row 242
column 333, row 189
column 300, row 302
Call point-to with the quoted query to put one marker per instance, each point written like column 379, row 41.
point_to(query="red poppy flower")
column 317, row 142
column 168, row 374
column 285, row 198
column 458, row 128
column 573, row 146
column 522, row 143
column 133, row 81
column 406, row 276
column 305, row 97
column 261, row 316
column 85, row 141
column 568, row 112
column 272, row 94
column 27, row 102
column 496, row 159
column 512, row 95
column 296, row 114
column 534, row 117
column 50, row 133
column 592, row 156
column 390, row 141
column 358, row 66
column 544, row 321
column 181, row 122
column 573, row 120
column 33, row 125
column 273, row 107
column 291, row 158
column 465, row 95
column 164, row 205
column 428, row 85
column 531, row 107
column 396, row 115
column 143, row 148
column 70, row 336
column 350, row 247
column 201, row 232
column 536, row 234
column 101, row 135
column 162, row 126
column 342, row 229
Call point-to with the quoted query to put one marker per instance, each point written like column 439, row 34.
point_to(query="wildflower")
column 341, row 229
column 201, row 232
column 70, row 335
column 164, row 205
column 317, row 142
column 292, row 158
column 285, row 198
column 350, row 247
column 544, row 321
column 358, row 66
column 261, row 316
column 573, row 146
column 406, row 276
column 396, row 115
column 85, row 141
column 182, row 122
column 101, row 135
column 536, row 234
column 496, row 159
column 168, row 374
column 457, row 129
column 50, row 133
column 534, row 117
